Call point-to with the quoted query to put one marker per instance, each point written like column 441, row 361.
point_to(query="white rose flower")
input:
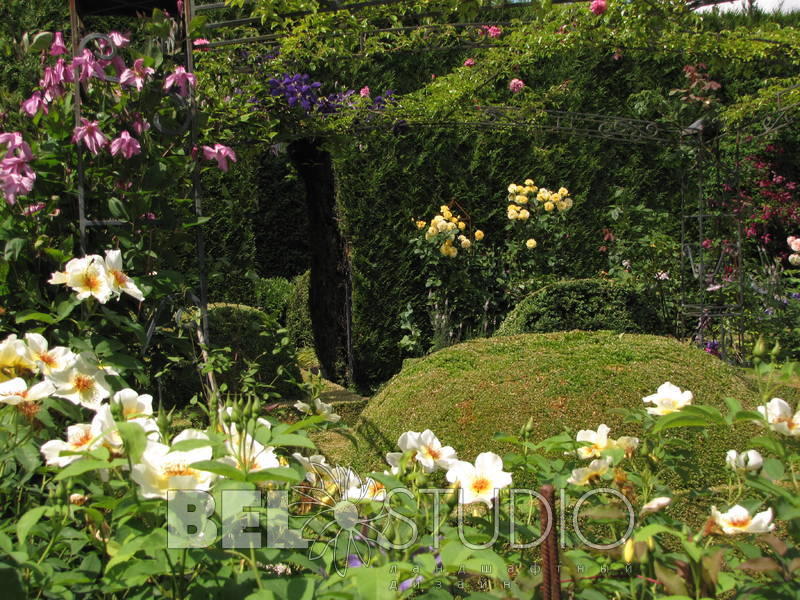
column 668, row 399
column 161, row 470
column 16, row 391
column 738, row 520
column 598, row 439
column 80, row 438
column 585, row 475
column 482, row 481
column 82, row 383
column 746, row 461
column 778, row 414
column 119, row 282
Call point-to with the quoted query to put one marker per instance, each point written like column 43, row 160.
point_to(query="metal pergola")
column 696, row 216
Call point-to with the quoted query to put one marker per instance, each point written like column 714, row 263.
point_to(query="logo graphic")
column 347, row 516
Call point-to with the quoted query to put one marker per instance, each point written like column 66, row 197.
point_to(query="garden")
column 484, row 299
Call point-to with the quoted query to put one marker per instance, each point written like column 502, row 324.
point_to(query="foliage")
column 588, row 304
column 298, row 312
column 272, row 295
column 475, row 389
column 258, row 347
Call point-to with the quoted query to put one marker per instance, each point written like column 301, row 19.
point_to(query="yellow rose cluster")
column 448, row 226
column 522, row 199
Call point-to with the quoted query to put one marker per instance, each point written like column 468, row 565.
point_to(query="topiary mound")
column 575, row 380
column 254, row 336
column 587, row 304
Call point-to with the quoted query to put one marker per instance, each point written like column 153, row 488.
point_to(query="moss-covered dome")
column 566, row 380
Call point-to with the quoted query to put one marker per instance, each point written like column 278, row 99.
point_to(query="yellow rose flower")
column 453, row 252
column 563, row 191
column 531, row 244
column 529, row 182
column 451, row 226
column 512, row 214
column 444, row 208
column 549, row 206
column 431, row 233
column 441, row 226
column 462, row 225
column 521, row 199
column 561, row 205
column 523, row 215
column 478, row 235
column 567, row 203
column 453, row 220
column 421, row 224
column 555, row 198
column 543, row 194
column 465, row 243
column 512, row 189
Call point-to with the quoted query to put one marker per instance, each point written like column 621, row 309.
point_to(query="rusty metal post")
column 551, row 582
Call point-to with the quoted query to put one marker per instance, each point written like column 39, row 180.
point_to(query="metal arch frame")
column 79, row 44
column 614, row 128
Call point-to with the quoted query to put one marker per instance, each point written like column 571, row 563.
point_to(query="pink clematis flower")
column 598, row 7
column 88, row 66
column 119, row 40
column 516, row 85
column 15, row 144
column 139, row 124
column 180, row 78
column 32, row 209
column 58, row 47
column 221, row 154
column 14, row 185
column 90, row 135
column 125, row 145
column 34, row 104
column 470, row 62
column 136, row 75
column 54, row 79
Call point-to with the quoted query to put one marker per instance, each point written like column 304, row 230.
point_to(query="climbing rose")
column 516, row 85
column 598, row 7
column 364, row 92
column 470, row 62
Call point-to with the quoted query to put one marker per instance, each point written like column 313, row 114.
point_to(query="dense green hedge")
column 587, row 304
column 298, row 312
column 254, row 336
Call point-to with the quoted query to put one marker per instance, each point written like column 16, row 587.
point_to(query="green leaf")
column 85, row 465
column 28, row 520
column 186, row 445
column 278, row 474
column 690, row 416
column 14, row 247
column 41, row 41
column 32, row 315
column 134, row 438
column 220, row 468
column 292, row 439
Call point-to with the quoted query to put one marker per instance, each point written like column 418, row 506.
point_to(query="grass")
column 566, row 380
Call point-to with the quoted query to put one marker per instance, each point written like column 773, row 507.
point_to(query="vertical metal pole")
column 188, row 14
column 551, row 577
column 76, row 36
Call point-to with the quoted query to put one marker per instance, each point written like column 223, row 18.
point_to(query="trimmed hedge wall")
column 587, row 304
